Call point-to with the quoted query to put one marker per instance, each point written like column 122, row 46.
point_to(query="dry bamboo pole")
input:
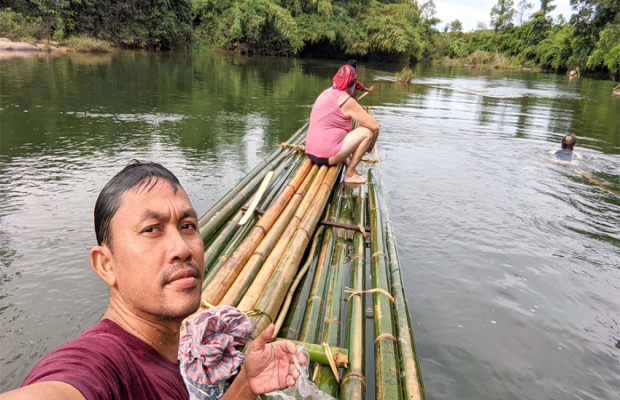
column 221, row 242
column 311, row 323
column 413, row 388
column 292, row 323
column 387, row 373
column 248, row 178
column 350, row 227
column 312, row 254
column 260, row 282
column 318, row 355
column 229, row 272
column 353, row 384
column 326, row 380
column 271, row 299
column 247, row 278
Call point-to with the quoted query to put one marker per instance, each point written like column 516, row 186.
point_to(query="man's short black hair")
column 353, row 63
column 136, row 174
column 569, row 142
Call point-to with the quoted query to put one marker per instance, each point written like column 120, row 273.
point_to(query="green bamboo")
column 311, row 324
column 312, row 254
column 318, row 355
column 387, row 372
column 296, row 137
column 332, row 327
column 353, row 385
column 272, row 297
column 411, row 376
column 294, row 318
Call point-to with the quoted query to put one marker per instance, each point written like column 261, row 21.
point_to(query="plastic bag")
column 304, row 388
column 203, row 391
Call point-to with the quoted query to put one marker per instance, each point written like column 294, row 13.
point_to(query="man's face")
column 158, row 252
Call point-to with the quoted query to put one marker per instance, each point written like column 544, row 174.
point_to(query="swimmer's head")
column 568, row 143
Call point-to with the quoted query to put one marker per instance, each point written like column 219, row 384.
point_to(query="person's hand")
column 270, row 366
column 371, row 89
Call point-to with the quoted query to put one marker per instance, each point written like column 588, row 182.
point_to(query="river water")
column 511, row 260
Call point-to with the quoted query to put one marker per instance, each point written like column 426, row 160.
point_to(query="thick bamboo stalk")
column 247, row 275
column 311, row 324
column 221, row 243
column 332, row 326
column 264, row 275
column 413, row 388
column 351, row 227
column 226, row 276
column 272, row 297
column 387, row 372
column 318, row 355
column 248, row 178
column 353, row 384
column 316, row 242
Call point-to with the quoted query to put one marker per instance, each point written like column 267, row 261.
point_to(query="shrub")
column 481, row 57
column 406, row 75
column 87, row 44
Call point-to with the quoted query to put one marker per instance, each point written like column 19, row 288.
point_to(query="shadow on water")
column 511, row 261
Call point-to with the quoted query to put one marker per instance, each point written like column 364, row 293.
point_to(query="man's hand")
column 270, row 366
column 371, row 89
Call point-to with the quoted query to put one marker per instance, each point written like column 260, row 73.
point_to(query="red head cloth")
column 344, row 77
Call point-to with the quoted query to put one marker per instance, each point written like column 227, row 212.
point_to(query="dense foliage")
column 379, row 29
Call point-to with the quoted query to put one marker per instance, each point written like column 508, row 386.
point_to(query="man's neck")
column 163, row 336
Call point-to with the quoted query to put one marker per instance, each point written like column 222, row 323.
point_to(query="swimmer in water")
column 567, row 152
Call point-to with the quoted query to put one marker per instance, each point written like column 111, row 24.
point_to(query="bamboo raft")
column 292, row 245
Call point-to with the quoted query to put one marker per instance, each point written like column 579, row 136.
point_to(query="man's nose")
column 179, row 248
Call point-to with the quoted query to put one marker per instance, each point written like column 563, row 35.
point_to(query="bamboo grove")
column 292, row 245
column 513, row 33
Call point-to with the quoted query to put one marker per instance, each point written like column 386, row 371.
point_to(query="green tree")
column 523, row 6
column 456, row 26
column 607, row 51
column 502, row 14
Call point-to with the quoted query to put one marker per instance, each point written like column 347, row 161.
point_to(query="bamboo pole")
column 350, row 227
column 271, row 299
column 229, row 272
column 316, row 242
column 413, row 388
column 260, row 282
column 248, row 178
column 318, row 355
column 387, row 373
column 217, row 247
column 311, row 326
column 247, row 281
column 326, row 380
column 353, row 384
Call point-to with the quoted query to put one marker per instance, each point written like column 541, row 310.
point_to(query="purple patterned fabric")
column 207, row 346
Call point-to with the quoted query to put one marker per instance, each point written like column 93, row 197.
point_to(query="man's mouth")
column 183, row 279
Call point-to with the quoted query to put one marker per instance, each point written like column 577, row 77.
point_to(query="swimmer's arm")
column 352, row 109
column 45, row 390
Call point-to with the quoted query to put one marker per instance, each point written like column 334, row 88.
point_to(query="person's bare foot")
column 346, row 163
column 355, row 178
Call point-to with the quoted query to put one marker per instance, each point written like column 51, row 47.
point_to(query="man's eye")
column 150, row 229
column 188, row 226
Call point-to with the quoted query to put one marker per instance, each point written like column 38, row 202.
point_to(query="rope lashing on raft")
column 353, row 292
column 250, row 313
column 301, row 147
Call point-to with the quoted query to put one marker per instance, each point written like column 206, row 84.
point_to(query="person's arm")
column 359, row 86
column 44, row 390
column 352, row 109
column 267, row 367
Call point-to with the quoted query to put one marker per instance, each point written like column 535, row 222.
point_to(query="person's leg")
column 354, row 145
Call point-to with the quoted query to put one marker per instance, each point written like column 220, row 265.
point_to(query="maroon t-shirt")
column 107, row 362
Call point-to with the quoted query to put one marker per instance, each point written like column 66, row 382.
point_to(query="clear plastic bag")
column 304, row 388
column 205, row 391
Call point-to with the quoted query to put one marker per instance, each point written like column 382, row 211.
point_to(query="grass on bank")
column 87, row 44
column 406, row 75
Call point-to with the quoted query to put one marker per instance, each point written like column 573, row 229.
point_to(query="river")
column 511, row 260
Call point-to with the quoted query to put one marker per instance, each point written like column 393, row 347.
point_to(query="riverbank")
column 10, row 48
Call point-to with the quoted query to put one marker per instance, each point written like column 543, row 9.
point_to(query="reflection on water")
column 512, row 261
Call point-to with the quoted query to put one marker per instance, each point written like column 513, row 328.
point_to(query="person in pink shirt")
column 330, row 139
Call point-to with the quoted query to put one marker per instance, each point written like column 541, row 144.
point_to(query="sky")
column 471, row 11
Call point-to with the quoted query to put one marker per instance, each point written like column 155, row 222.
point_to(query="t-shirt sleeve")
column 359, row 86
column 82, row 365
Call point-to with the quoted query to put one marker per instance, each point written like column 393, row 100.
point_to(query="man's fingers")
column 302, row 358
column 264, row 337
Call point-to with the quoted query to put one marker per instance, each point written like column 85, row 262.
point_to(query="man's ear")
column 102, row 261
